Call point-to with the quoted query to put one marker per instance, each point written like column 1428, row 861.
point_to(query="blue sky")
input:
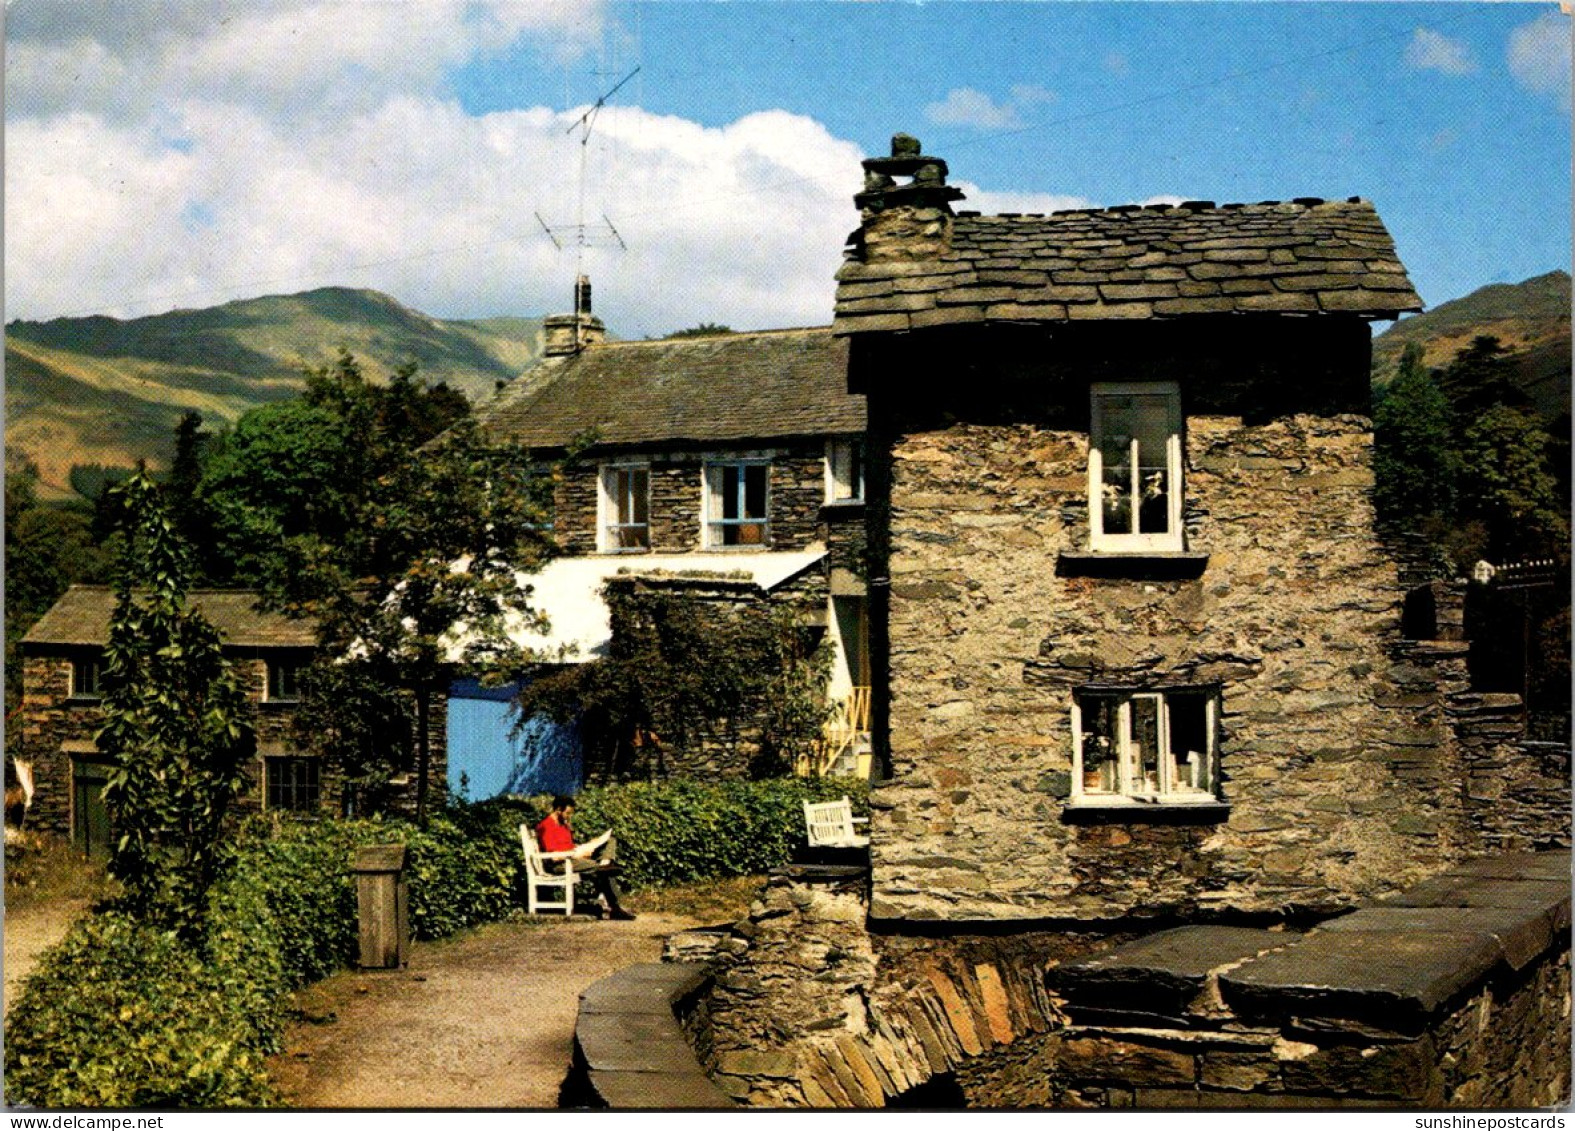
column 410, row 147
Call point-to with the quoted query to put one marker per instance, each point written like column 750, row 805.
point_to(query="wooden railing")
column 850, row 719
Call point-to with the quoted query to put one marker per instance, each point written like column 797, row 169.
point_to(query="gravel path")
column 29, row 931
column 483, row 1020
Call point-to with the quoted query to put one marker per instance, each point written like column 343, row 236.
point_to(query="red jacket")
column 554, row 836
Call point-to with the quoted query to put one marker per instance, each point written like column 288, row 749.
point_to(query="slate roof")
column 81, row 616
column 728, row 387
column 1302, row 257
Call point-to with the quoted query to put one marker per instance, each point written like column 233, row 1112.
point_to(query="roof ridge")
column 1164, row 207
column 731, row 335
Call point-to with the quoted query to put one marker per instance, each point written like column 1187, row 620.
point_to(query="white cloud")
column 1163, row 198
column 741, row 224
column 1041, row 203
column 965, row 106
column 1539, row 56
column 123, row 60
column 1430, row 50
column 229, row 152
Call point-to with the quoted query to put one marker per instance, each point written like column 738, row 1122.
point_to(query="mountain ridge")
column 99, row 389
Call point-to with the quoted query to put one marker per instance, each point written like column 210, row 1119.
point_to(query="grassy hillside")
column 1532, row 317
column 102, row 390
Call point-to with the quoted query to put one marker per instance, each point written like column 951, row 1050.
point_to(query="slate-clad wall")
column 1338, row 764
column 797, row 493
column 50, row 722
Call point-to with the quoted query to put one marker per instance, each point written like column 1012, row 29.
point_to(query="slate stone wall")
column 797, row 492
column 51, row 722
column 729, row 753
column 1338, row 758
column 1454, row 994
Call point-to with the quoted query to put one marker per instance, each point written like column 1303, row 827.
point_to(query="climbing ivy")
column 685, row 674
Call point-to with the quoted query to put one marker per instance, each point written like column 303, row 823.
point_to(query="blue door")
column 486, row 758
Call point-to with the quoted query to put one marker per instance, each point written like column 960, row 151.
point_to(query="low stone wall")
column 1455, row 993
column 631, row 1044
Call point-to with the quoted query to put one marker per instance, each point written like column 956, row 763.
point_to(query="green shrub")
column 681, row 830
column 123, row 1015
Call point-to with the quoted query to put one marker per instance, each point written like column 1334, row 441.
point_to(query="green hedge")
column 681, row 830
column 121, row 1015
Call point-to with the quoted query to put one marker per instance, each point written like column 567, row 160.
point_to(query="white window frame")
column 844, row 472
column 607, row 508
column 1129, row 791
column 1123, row 541
column 711, row 529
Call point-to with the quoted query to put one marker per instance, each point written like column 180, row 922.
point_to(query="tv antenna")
column 604, row 234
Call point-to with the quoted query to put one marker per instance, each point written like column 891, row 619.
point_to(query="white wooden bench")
column 538, row 877
column 829, row 824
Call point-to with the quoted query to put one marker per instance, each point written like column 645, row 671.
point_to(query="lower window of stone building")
column 1145, row 746
column 293, row 784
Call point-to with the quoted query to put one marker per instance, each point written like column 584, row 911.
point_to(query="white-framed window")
column 1145, row 747
column 87, row 676
column 625, row 507
column 1134, row 467
column 292, row 783
column 737, row 501
column 844, row 471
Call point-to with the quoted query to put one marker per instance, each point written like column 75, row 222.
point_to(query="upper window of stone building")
column 292, row 783
column 844, row 471
column 1149, row 746
column 1134, row 467
column 284, row 679
column 87, row 674
column 625, row 507
column 736, row 501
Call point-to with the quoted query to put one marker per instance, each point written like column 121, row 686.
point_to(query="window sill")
column 1142, row 565
column 842, row 504
column 1089, row 810
column 278, row 703
column 84, row 700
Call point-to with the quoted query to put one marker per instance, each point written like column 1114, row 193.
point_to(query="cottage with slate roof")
column 728, row 466
column 62, row 658
column 1140, row 647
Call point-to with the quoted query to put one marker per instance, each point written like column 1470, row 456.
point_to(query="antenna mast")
column 585, row 124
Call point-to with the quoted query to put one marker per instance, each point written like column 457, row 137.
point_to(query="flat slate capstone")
column 1162, row 972
column 1399, row 962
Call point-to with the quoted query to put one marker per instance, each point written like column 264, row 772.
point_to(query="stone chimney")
column 568, row 334
column 910, row 218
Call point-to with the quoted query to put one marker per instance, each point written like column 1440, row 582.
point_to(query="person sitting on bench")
column 595, row 858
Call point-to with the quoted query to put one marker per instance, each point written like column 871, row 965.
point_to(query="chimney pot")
column 565, row 335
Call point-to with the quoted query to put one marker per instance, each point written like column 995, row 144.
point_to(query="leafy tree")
column 176, row 724
column 300, row 468
column 1509, row 486
column 46, row 549
column 425, row 577
column 703, row 330
column 1414, row 463
column 681, row 675
column 1481, row 375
